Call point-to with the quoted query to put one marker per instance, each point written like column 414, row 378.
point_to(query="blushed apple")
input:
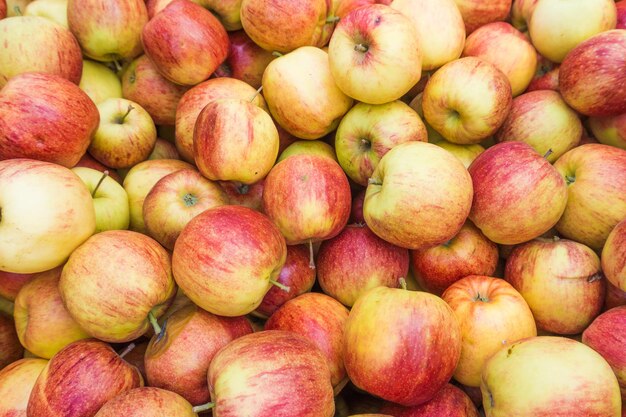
column 87, row 161
column 99, row 82
column 477, row 13
column 450, row 401
column 309, row 147
column 247, row 195
column 614, row 256
column 615, row 297
column 11, row 283
column 142, row 401
column 621, row 14
column 16, row 383
column 11, row 349
column 356, row 213
column 610, row 130
column 164, row 149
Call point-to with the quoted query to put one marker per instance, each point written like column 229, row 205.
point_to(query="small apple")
column 99, row 82
column 610, row 130
column 477, row 13
column 16, row 383
column 450, row 401
column 144, row 401
column 614, row 256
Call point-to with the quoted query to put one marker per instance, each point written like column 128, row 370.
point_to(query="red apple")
column 11, row 283
column 356, row 214
column 614, row 297
column 614, row 256
column 477, row 13
column 245, row 195
column 3, row 9
column 621, row 14
column 548, row 80
column 450, row 401
column 144, row 401
column 16, row 383
column 10, row 347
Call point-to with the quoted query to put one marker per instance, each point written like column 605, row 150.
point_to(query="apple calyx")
column 570, row 179
column 190, row 200
column 243, row 189
column 402, row 282
column 120, row 120
column 104, row 175
column 361, row 47
column 365, row 145
column 204, row 407
column 127, row 350
column 311, row 255
column 481, row 298
column 280, row 285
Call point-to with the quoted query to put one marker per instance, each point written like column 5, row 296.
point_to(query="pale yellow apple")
column 16, row 383
column 466, row 153
column 99, row 82
column 55, row 10
column 16, row 7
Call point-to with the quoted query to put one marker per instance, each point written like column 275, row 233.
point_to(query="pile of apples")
column 312, row 208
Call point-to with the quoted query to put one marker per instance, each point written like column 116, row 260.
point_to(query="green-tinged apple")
column 10, row 348
column 108, row 30
column 610, row 130
column 560, row 280
column 55, row 10
column 37, row 44
column 614, row 256
column 418, row 196
column 521, row 10
column 164, row 149
column 126, row 134
column 79, row 379
column 11, row 283
column 176, row 199
column 99, row 82
column 556, row 27
column 440, row 29
column 271, row 370
column 369, row 131
column 147, row 401
column 549, row 376
column 42, row 322
column 375, row 55
column 357, row 260
column 596, row 182
column 321, row 319
column 604, row 54
column 117, row 283
column 87, row 161
column 143, row 84
column 188, row 56
column 544, row 121
column 388, row 323
column 308, row 104
column 450, row 401
column 518, row 195
column 467, row 100
column 16, row 383
column 39, row 229
column 109, row 199
column 491, row 314
column 477, row 13
column 245, row 195
column 469, row 252
column 178, row 360
column 45, row 117
column 197, row 98
column 309, row 147
column 235, row 140
column 227, row 258
column 465, row 153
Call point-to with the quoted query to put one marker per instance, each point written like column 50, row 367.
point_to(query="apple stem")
column 556, row 238
column 277, row 54
column 550, row 152
column 402, row 283
column 374, row 181
column 117, row 64
column 154, row 323
column 104, row 175
column 279, row 285
column 243, row 189
column 17, row 11
column 333, row 19
column 203, row 407
column 127, row 350
column 481, row 298
column 258, row 91
column 121, row 119
column 595, row 277
column 359, row 47
column 311, row 255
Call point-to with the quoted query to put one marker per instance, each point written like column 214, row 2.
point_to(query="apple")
column 451, row 105
column 544, row 121
column 179, row 358
column 176, row 199
column 356, row 214
column 609, row 130
column 369, row 131
column 197, row 98
column 553, row 375
column 11, row 349
column 615, row 297
column 164, row 149
column 418, row 196
column 556, row 27
column 45, row 117
column 309, row 147
column 143, row 84
column 185, row 57
column 518, row 195
column 596, row 184
column 99, row 82
column 390, row 323
column 79, row 379
column 547, row 79
column 477, row 13
column 43, row 225
column 227, row 258
column 235, row 140
column 614, row 256
column 11, row 283
column 621, row 14
column 247, row 195
column 87, row 161
column 308, row 104
column 357, row 260
column 143, row 401
column 521, row 11
column 596, row 96
column 449, row 401
column 116, row 283
column 375, row 54
column 465, row 153
column 3, row 9
column 271, row 370
column 469, row 252
column 16, row 383
column 108, row 30
column 55, row 10
column 16, row 7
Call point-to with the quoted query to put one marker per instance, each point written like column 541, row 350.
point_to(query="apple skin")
column 106, row 273
column 55, row 10
column 356, row 213
column 143, row 401
column 164, row 149
column 307, row 104
column 557, row 277
column 185, row 57
column 508, row 49
column 79, row 379
column 614, row 297
column 11, row 283
column 418, row 196
column 179, row 360
column 99, row 82
column 450, row 401
column 553, row 376
column 225, row 258
column 544, row 121
column 16, row 383
column 610, row 130
column 614, row 256
column 308, row 198
column 43, row 324
column 3, row 9
column 367, row 132
column 469, row 252
column 545, row 80
column 375, row 55
column 11, row 349
column 387, row 352
column 45, row 117
column 197, row 98
column 271, row 370
column 316, row 147
column 450, row 100
column 245, row 195
column 556, row 27
column 596, row 96
column 621, row 14
column 357, row 260
column 87, row 161
column 518, row 195
column 477, row 13
column 143, row 84
column 521, row 10
column 42, row 227
column 295, row 274
column 466, row 153
column 596, row 178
